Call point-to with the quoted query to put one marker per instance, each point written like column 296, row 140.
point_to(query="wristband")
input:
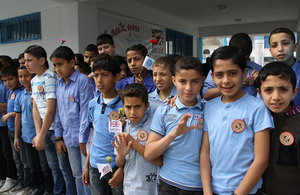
column 59, row 139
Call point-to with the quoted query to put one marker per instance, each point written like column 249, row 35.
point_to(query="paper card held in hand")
column 104, row 169
column 114, row 126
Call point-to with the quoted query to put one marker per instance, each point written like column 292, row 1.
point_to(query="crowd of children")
column 103, row 124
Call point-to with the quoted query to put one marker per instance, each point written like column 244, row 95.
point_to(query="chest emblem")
column 238, row 125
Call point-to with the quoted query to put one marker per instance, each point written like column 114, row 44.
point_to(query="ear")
column 203, row 79
column 114, row 47
column 72, row 62
column 117, row 77
column 147, row 105
column 245, row 73
column 42, row 60
column 296, row 47
column 212, row 76
column 259, row 92
column 295, row 92
column 173, row 80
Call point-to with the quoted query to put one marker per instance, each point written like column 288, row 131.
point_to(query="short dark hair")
column 243, row 42
column 1, row 65
column 91, row 47
column 103, row 39
column 283, row 30
column 165, row 62
column 85, row 67
column 135, row 90
column 229, row 52
column 37, row 52
column 7, row 60
column 188, row 63
column 280, row 69
column 107, row 63
column 175, row 57
column 21, row 56
column 9, row 70
column 138, row 47
column 16, row 63
column 63, row 52
column 79, row 56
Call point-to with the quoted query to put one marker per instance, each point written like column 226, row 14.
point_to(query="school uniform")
column 181, row 166
column 140, row 176
column 70, row 120
column 148, row 83
column 231, row 128
column 296, row 68
column 283, row 173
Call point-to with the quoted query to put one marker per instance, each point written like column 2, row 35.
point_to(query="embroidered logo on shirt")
column 114, row 115
column 238, row 125
column 142, row 135
column 71, row 98
column 286, row 138
column 197, row 116
column 12, row 96
column 200, row 123
column 40, row 88
column 171, row 117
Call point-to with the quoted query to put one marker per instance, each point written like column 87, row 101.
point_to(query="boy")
column 9, row 76
column 6, row 60
column 105, row 44
column 235, row 145
column 131, row 146
column 282, row 48
column 89, row 52
column 277, row 87
column 244, row 43
column 163, row 70
column 135, row 58
column 73, row 92
column 23, row 109
column 44, row 104
column 174, row 131
column 83, row 68
column 102, row 109
column 123, row 66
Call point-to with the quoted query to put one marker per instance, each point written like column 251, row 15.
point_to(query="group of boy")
column 229, row 134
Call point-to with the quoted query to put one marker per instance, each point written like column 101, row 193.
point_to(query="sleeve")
column 6, row 93
column 208, row 83
column 205, row 128
column 90, row 115
column 157, row 124
column 50, row 87
column 58, row 129
column 262, row 117
column 17, row 106
column 86, row 93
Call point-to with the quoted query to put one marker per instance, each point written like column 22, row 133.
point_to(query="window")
column 23, row 28
column 178, row 43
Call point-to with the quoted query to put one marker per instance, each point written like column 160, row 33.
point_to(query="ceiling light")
column 222, row 7
column 238, row 19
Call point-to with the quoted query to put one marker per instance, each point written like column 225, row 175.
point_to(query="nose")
column 276, row 95
column 225, row 79
column 188, row 86
column 280, row 47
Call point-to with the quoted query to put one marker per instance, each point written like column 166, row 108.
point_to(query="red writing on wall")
column 122, row 28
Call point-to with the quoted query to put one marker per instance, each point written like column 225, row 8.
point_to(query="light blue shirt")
column 23, row 105
column 155, row 100
column 181, row 166
column 3, row 99
column 231, row 145
column 250, row 89
column 148, row 83
column 11, row 104
column 72, row 107
column 98, row 116
column 296, row 68
column 140, row 176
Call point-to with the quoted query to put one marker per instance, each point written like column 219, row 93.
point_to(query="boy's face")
column 188, row 84
column 105, row 82
column 10, row 81
column 25, row 77
column 162, row 78
column 88, row 55
column 135, row 61
column 64, row 69
column 228, row 77
column 107, row 49
column 282, row 48
column 21, row 61
column 33, row 64
column 134, row 108
column 277, row 94
column 123, row 71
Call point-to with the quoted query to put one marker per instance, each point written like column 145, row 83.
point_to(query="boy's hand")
column 117, row 178
column 121, row 145
column 5, row 118
column 61, row 147
column 85, row 176
column 172, row 101
column 38, row 142
column 181, row 127
column 254, row 74
column 128, row 137
column 139, row 80
column 83, row 148
column 16, row 144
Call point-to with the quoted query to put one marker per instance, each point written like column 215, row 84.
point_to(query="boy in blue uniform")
column 235, row 145
column 106, row 45
column 44, row 106
column 9, row 77
column 135, row 58
column 102, row 109
column 244, row 43
column 73, row 92
column 131, row 146
column 24, row 119
column 277, row 87
column 177, row 132
column 282, row 48
column 163, row 70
